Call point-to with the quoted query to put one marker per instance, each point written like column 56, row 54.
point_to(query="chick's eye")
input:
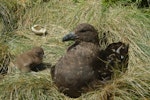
column 40, row 53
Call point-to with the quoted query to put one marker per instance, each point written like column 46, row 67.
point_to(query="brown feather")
column 30, row 60
column 114, row 57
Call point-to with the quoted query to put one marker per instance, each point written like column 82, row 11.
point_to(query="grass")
column 127, row 24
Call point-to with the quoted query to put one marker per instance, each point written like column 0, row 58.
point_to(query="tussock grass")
column 4, row 58
column 29, row 86
column 127, row 24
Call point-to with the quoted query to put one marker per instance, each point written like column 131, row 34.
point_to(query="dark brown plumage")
column 114, row 57
column 30, row 60
column 75, row 69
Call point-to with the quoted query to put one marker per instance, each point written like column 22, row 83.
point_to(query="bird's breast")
column 75, row 67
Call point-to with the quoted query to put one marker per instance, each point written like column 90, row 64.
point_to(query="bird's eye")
column 40, row 53
column 83, row 30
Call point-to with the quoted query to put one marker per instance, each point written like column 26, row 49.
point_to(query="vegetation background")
column 121, row 20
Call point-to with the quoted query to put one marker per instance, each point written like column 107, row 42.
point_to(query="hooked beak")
column 70, row 36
